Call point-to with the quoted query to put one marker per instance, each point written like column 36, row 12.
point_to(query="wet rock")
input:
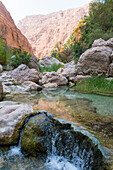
column 23, row 73
column 53, row 77
column 97, row 59
column 1, row 91
column 35, row 137
column 42, row 135
column 48, row 61
column 12, row 116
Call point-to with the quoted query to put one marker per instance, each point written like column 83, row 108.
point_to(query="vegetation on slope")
column 18, row 58
column 5, row 52
column 99, row 24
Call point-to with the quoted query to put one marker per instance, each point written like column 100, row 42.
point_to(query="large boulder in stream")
column 12, row 117
column 1, row 91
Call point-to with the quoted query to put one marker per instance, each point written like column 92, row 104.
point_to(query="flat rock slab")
column 12, row 116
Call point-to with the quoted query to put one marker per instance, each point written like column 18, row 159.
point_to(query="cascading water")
column 66, row 150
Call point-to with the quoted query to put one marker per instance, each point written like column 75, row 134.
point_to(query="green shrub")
column 53, row 67
column 19, row 58
column 5, row 52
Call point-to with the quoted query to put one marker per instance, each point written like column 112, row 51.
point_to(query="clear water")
column 51, row 100
column 103, row 104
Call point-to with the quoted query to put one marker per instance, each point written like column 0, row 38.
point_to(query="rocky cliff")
column 10, row 32
column 44, row 31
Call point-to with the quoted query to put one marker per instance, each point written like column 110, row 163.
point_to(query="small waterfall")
column 66, row 149
column 16, row 150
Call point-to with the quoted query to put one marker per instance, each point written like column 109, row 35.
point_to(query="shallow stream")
column 90, row 112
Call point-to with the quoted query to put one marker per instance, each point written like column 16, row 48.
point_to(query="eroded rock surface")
column 68, row 69
column 12, row 116
column 23, row 73
column 31, row 86
column 97, row 59
column 53, row 77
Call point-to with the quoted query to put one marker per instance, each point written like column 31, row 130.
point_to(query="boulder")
column 33, row 63
column 7, row 79
column 12, row 117
column 100, row 42
column 24, row 73
column 95, row 60
column 1, row 68
column 50, row 85
column 48, row 61
column 68, row 69
column 35, row 135
column 6, row 89
column 31, row 86
column 1, row 91
column 53, row 77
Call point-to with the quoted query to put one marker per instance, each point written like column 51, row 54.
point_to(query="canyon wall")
column 44, row 31
column 10, row 33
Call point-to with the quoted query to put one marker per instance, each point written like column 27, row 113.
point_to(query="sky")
column 21, row 8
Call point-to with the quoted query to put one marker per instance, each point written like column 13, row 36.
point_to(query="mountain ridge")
column 44, row 31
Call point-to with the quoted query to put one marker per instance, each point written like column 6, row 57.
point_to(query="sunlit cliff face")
column 45, row 31
column 10, row 33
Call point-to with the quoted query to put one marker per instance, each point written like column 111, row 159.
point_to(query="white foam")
column 14, row 151
column 59, row 163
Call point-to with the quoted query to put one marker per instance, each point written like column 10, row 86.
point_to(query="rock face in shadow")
column 97, row 60
column 10, row 33
column 44, row 31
